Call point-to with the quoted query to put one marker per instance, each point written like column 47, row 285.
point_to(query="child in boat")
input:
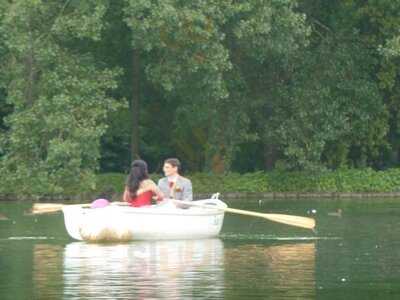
column 139, row 188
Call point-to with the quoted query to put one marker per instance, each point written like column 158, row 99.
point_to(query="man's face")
column 170, row 170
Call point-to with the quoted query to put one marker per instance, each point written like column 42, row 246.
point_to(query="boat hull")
column 158, row 222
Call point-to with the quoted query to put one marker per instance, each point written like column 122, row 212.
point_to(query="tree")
column 331, row 101
column 58, row 93
column 377, row 22
column 328, row 110
column 200, row 54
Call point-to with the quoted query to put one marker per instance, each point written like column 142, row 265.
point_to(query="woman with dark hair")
column 139, row 188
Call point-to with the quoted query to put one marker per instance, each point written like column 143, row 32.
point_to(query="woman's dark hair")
column 137, row 174
column 173, row 162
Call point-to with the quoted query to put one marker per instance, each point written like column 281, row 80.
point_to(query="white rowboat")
column 157, row 222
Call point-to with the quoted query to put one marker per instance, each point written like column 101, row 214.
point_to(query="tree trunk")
column 135, row 105
column 270, row 156
column 30, row 70
column 218, row 164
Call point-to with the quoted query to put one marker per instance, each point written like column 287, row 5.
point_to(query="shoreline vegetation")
column 350, row 183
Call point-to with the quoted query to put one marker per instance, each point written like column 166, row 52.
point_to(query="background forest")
column 226, row 86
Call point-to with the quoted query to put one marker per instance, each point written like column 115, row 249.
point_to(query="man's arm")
column 188, row 191
column 162, row 187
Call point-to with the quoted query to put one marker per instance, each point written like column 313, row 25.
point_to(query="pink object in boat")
column 99, row 203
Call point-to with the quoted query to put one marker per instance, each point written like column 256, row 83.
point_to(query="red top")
column 142, row 199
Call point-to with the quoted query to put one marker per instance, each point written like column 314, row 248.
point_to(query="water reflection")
column 174, row 270
column 47, row 271
column 282, row 271
column 148, row 269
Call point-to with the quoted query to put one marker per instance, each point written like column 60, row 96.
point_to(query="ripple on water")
column 269, row 237
column 18, row 238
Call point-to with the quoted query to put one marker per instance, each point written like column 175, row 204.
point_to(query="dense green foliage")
column 226, row 86
column 58, row 94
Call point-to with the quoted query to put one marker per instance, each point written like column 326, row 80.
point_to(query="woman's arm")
column 156, row 191
column 126, row 197
column 149, row 185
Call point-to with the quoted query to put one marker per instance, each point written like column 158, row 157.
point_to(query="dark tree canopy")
column 224, row 85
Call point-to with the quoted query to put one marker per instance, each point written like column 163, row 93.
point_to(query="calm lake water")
column 355, row 254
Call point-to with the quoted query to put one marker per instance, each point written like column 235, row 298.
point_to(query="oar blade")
column 43, row 208
column 297, row 221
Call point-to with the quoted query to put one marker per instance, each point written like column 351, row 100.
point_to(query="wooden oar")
column 298, row 221
column 43, row 208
